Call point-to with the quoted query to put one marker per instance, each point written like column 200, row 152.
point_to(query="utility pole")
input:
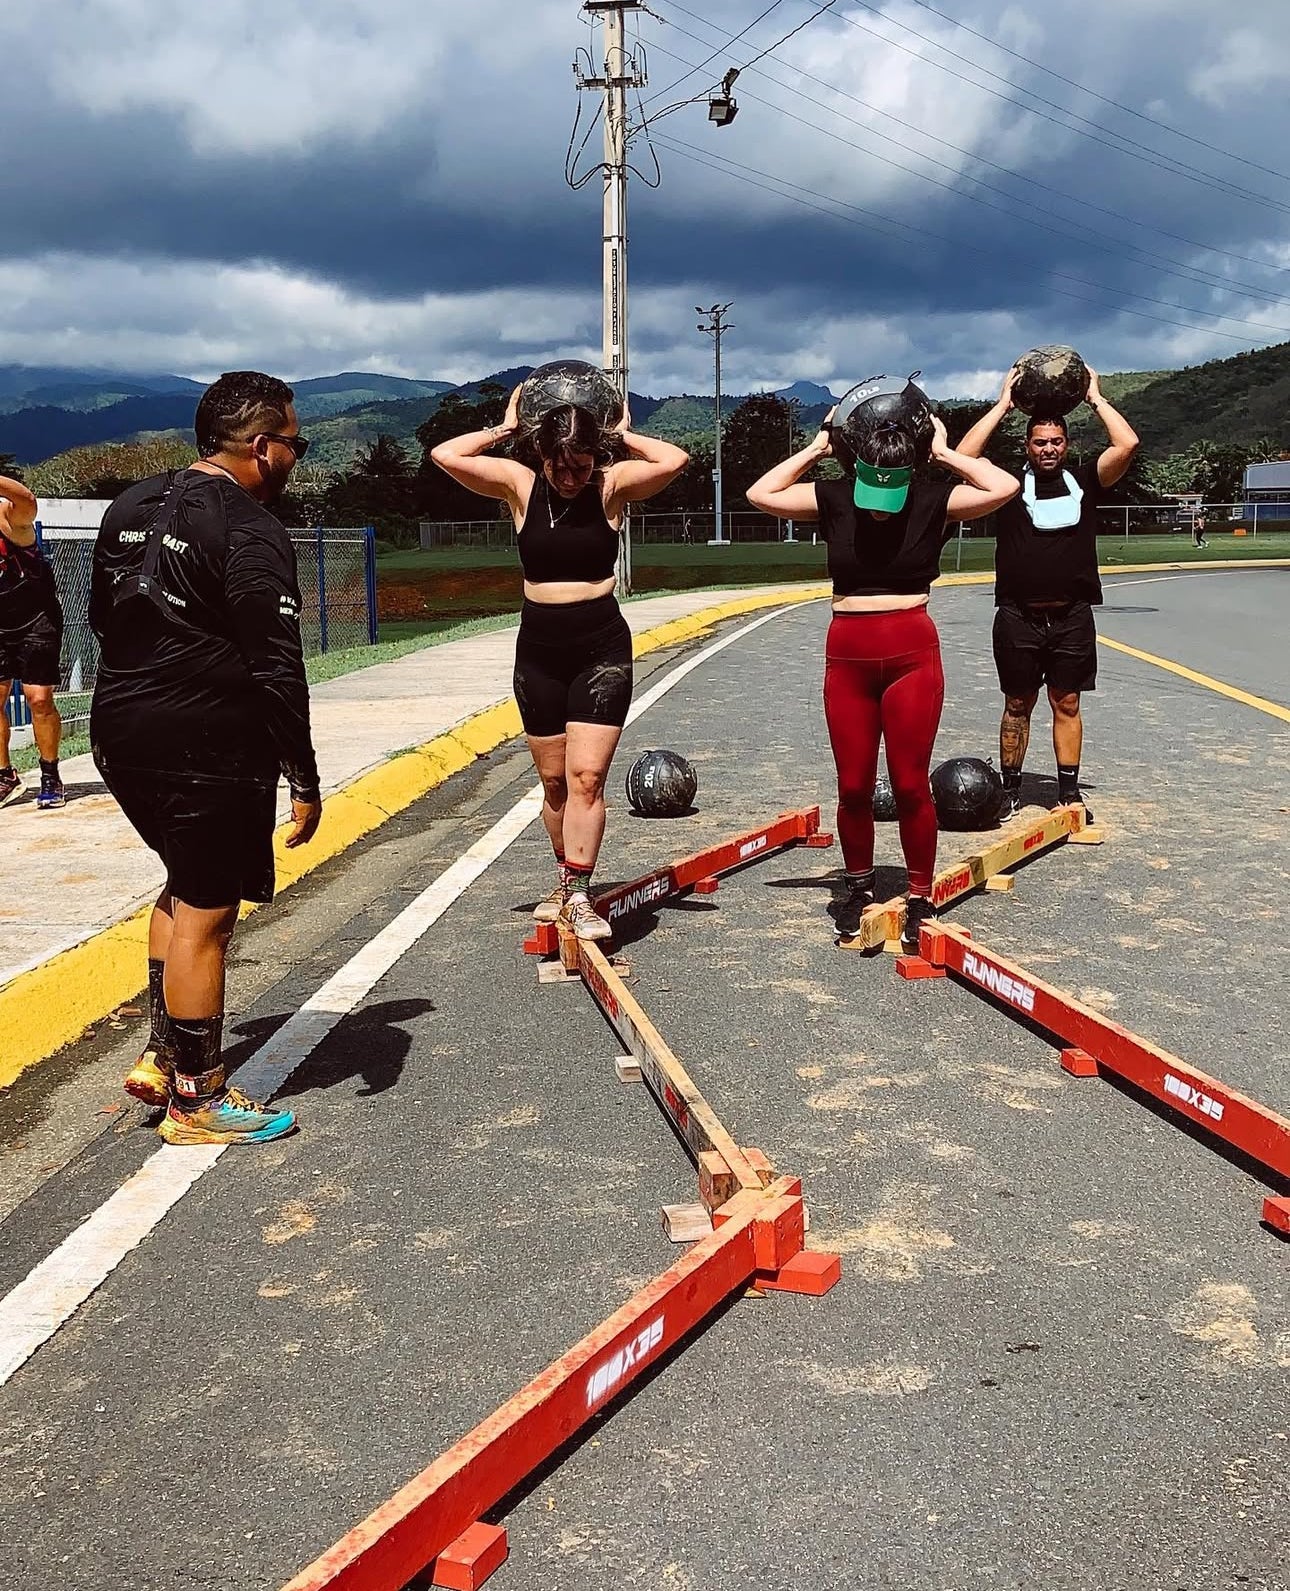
column 716, row 328
column 620, row 73
column 792, row 405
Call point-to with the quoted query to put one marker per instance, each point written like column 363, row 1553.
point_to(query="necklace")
column 551, row 513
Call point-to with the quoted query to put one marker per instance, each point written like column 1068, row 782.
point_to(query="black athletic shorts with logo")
column 573, row 664
column 215, row 836
column 1035, row 646
column 31, row 652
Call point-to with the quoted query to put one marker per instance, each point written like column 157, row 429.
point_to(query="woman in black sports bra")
column 573, row 658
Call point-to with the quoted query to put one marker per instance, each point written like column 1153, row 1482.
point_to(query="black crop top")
column 567, row 538
column 869, row 557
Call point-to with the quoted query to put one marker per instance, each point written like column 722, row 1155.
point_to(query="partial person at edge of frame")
column 883, row 679
column 201, row 705
column 31, row 644
column 1047, row 584
column 573, row 655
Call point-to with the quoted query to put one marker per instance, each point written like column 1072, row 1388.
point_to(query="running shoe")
column 1012, row 803
column 149, row 1078
column 52, row 795
column 850, row 904
column 229, row 1118
column 1077, row 800
column 918, row 910
column 548, row 909
column 11, row 785
column 580, row 915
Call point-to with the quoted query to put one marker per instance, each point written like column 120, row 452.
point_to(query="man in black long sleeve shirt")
column 201, row 703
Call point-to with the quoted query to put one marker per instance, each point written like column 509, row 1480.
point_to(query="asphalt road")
column 1059, row 1353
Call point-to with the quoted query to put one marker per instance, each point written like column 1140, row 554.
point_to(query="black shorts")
column 31, row 652
column 573, row 665
column 1056, row 647
column 215, row 836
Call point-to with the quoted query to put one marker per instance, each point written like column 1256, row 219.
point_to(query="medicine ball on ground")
column 661, row 784
column 968, row 794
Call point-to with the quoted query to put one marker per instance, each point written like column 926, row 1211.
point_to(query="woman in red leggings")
column 885, row 528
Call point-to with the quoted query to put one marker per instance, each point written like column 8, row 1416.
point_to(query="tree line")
column 394, row 486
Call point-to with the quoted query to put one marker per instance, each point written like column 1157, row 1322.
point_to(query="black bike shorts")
column 573, row 665
column 215, row 836
column 31, row 652
column 1056, row 647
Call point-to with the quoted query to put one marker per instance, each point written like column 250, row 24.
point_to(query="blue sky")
column 309, row 188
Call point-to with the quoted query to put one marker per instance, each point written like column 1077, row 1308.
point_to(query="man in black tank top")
column 1047, row 583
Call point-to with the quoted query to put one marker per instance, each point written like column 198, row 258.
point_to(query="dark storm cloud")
column 431, row 166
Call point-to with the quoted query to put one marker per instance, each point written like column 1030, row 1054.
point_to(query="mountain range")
column 45, row 410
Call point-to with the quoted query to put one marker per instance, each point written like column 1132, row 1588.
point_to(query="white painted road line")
column 51, row 1293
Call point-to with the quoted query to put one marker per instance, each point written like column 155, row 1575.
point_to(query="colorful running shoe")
column 149, row 1078
column 580, row 915
column 11, row 785
column 51, row 794
column 229, row 1118
column 548, row 910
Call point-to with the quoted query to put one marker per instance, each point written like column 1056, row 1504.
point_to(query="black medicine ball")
column 968, row 794
column 661, row 784
column 1050, row 380
column 884, row 800
column 569, row 382
column 877, row 402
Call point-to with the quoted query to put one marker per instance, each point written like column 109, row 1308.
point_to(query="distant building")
column 1268, row 483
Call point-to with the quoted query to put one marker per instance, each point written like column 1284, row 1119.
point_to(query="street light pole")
column 716, row 328
column 792, row 405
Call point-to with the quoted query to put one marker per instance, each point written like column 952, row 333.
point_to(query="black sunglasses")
column 299, row 445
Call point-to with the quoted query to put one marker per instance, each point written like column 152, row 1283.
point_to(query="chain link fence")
column 337, row 573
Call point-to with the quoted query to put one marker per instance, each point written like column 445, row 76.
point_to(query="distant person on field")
column 1198, row 529
column 1047, row 584
column 201, row 705
column 31, row 642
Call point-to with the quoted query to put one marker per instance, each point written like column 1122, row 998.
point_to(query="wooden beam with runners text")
column 1253, row 1130
column 652, row 889
column 886, row 921
column 669, row 1082
column 762, row 1233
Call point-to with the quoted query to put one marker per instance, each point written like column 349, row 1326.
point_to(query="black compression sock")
column 162, row 1035
column 1068, row 781
column 1011, row 778
column 199, row 1073
column 861, row 880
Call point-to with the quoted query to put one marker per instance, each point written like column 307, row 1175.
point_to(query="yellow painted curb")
column 46, row 1008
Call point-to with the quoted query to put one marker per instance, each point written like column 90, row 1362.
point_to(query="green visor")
column 885, row 490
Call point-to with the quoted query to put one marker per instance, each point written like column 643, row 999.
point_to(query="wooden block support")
column 809, row 1272
column 686, row 1223
column 1276, row 1213
column 553, row 972
column 1001, row 883
column 1088, row 837
column 1079, row 1063
column 476, row 1553
column 628, row 1068
column 707, row 886
column 818, row 842
column 915, row 968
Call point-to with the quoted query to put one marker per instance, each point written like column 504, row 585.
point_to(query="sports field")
column 450, row 583
column 1058, row 1354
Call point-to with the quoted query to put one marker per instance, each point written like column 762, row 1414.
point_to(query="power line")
column 1015, row 175
column 1125, row 146
column 1185, row 274
column 1105, row 99
column 694, row 70
column 750, row 176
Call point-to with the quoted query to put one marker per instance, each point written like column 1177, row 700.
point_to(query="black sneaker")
column 51, row 794
column 1076, row 799
column 850, row 903
column 1012, row 803
column 11, row 785
column 918, row 910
